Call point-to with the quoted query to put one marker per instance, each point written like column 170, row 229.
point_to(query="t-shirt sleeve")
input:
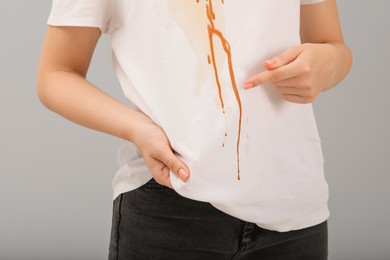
column 88, row 13
column 310, row 2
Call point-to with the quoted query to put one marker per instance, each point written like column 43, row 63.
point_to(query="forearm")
column 76, row 99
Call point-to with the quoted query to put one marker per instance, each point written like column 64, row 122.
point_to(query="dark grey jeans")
column 155, row 222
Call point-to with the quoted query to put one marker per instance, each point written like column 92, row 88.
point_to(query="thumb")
column 177, row 166
column 284, row 58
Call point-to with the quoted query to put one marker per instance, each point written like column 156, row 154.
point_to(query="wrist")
column 135, row 125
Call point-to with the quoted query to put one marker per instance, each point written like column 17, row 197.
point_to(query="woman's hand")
column 300, row 73
column 155, row 147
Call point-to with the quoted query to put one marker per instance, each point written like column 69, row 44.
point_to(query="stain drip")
column 213, row 33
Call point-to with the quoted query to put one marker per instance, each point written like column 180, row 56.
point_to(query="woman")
column 221, row 156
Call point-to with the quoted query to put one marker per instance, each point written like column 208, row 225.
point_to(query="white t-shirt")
column 251, row 154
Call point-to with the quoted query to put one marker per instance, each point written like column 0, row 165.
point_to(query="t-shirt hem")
column 309, row 2
column 315, row 219
column 126, row 187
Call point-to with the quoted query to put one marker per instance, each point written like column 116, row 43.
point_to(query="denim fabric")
column 154, row 222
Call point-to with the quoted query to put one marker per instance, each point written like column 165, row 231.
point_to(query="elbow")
column 41, row 90
column 347, row 58
column 350, row 58
column 344, row 55
column 46, row 89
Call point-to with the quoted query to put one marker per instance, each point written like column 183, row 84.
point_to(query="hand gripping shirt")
column 183, row 63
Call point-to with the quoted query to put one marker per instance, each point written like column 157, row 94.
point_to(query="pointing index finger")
column 272, row 76
column 278, row 68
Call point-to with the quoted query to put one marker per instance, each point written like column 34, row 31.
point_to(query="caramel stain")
column 213, row 31
column 191, row 16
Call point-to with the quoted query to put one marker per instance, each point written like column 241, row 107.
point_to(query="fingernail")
column 248, row 85
column 183, row 174
column 270, row 62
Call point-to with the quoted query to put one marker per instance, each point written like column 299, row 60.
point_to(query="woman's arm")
column 321, row 24
column 62, row 87
column 301, row 73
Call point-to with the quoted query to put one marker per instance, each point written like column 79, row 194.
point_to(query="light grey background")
column 55, row 176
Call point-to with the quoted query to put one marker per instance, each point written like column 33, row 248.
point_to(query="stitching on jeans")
column 247, row 238
column 117, row 226
column 240, row 248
